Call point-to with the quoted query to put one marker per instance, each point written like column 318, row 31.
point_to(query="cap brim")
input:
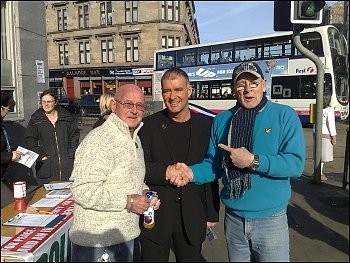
column 256, row 74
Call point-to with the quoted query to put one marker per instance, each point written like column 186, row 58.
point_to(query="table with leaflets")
column 33, row 244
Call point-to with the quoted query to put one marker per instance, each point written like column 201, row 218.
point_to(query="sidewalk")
column 318, row 215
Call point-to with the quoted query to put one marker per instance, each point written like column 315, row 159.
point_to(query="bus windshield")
column 339, row 54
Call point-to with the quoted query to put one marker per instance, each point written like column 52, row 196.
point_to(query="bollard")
column 346, row 161
column 312, row 113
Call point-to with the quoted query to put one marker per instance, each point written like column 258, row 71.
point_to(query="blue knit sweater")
column 278, row 139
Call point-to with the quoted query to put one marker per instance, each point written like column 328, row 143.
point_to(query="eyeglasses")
column 130, row 105
column 47, row 102
column 242, row 84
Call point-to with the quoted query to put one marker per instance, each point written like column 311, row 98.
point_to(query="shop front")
column 77, row 82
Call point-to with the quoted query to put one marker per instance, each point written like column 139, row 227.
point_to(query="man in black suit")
column 176, row 134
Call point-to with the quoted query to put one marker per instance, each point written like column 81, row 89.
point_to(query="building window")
column 107, row 50
column 4, row 31
column 170, row 41
column 171, row 10
column 83, row 13
column 62, row 19
column 8, row 79
column 131, row 13
column 132, row 49
column 84, row 52
column 63, row 50
column 106, row 13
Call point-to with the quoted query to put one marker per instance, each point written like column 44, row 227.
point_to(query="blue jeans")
column 264, row 239
column 117, row 253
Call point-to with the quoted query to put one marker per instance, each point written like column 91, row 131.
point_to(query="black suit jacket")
column 199, row 203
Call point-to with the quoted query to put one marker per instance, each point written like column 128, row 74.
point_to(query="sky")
column 226, row 20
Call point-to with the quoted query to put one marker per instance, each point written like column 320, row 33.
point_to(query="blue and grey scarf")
column 241, row 133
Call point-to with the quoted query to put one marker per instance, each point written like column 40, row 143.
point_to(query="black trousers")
column 183, row 250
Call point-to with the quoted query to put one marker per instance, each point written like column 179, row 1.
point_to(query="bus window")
column 203, row 56
column 186, row 57
column 203, row 91
column 221, row 54
column 313, row 42
column 272, row 50
column 165, row 60
column 287, row 49
column 247, row 52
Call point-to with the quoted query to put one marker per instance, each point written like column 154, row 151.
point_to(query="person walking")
column 255, row 147
column 176, row 134
column 108, row 184
column 53, row 133
column 105, row 108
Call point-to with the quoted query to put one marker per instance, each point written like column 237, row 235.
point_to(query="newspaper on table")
column 28, row 158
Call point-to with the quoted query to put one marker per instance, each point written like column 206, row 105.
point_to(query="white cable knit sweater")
column 109, row 165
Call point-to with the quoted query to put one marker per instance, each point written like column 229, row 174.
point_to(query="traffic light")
column 306, row 12
column 281, row 14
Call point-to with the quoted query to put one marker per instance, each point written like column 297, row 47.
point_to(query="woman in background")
column 52, row 132
column 329, row 136
column 105, row 108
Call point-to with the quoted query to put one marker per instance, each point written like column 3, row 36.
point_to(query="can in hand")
column 148, row 215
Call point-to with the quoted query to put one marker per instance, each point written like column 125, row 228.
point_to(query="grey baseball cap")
column 247, row 67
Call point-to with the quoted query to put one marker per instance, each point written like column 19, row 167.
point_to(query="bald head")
column 126, row 89
column 129, row 105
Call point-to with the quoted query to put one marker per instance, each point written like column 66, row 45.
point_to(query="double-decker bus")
column 290, row 76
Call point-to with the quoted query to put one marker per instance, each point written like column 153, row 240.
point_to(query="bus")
column 290, row 76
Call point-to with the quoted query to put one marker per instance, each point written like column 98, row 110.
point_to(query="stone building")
column 24, row 74
column 97, row 46
column 24, row 69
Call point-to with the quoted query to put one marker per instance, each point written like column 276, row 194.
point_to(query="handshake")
column 179, row 174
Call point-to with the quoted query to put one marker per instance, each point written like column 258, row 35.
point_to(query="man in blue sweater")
column 255, row 147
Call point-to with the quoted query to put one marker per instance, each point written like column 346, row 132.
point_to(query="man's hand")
column 240, row 157
column 16, row 155
column 179, row 174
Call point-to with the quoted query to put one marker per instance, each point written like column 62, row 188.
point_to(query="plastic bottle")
column 148, row 216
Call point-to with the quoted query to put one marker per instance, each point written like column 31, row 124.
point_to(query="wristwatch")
column 254, row 165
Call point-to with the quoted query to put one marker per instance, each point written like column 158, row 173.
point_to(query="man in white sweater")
column 108, row 184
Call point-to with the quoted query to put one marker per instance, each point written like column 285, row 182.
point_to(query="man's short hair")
column 247, row 67
column 174, row 73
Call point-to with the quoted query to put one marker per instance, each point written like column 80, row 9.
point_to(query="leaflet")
column 34, row 220
column 57, row 186
column 63, row 193
column 28, row 158
column 47, row 202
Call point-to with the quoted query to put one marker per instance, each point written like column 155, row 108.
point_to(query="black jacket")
column 6, row 157
column 57, row 142
column 199, row 203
